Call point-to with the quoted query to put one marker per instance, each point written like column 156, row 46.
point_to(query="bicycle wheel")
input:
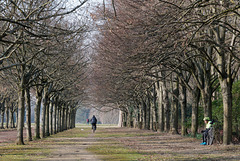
column 94, row 129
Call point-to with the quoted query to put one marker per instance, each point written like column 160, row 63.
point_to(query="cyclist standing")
column 94, row 122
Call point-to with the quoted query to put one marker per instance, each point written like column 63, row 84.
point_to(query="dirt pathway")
column 115, row 144
column 72, row 149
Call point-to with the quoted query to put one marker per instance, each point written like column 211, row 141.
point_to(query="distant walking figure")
column 94, row 122
column 87, row 121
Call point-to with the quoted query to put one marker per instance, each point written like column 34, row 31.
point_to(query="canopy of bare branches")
column 157, row 56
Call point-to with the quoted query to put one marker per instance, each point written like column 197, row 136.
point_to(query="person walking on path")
column 94, row 123
column 87, row 121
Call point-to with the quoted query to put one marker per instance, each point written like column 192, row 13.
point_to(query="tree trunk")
column 11, row 117
column 148, row 113
column 28, row 114
column 154, row 112
column 195, row 103
column 59, row 119
column 21, row 109
column 17, row 116
column 45, row 101
column 144, row 115
column 140, row 117
column 225, row 78
column 2, row 114
column 175, row 104
column 66, row 117
column 63, row 118
column 39, row 91
column 160, row 107
column 206, row 90
column 224, row 64
column 183, row 104
column 74, row 117
column 55, row 113
column 207, row 102
column 69, row 117
column 227, row 110
column 7, row 115
column 51, row 115
column 166, row 106
column 47, row 117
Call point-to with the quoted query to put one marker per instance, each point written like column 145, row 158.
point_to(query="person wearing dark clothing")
column 94, row 123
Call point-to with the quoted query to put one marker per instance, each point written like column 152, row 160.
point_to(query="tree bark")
column 148, row 113
column 154, row 110
column 227, row 110
column 166, row 106
column 66, row 117
column 51, row 115
column 144, row 110
column 206, row 89
column 11, row 117
column 175, row 104
column 63, row 118
column 17, row 116
column 183, row 104
column 160, row 107
column 45, row 101
column 196, row 96
column 47, row 117
column 69, row 117
column 39, row 90
column 21, row 109
column 74, row 117
column 59, row 119
column 7, row 114
column 224, row 63
column 28, row 114
column 14, row 111
column 207, row 102
column 2, row 114
column 55, row 113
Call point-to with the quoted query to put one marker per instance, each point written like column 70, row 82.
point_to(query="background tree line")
column 42, row 55
column 169, row 63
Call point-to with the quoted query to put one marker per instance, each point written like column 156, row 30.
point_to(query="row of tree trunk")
column 55, row 115
column 159, row 109
column 8, row 114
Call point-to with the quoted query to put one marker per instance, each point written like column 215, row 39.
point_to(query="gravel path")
column 72, row 149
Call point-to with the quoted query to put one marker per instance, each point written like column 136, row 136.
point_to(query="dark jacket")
column 93, row 120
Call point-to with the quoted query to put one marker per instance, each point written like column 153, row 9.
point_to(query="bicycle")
column 94, row 127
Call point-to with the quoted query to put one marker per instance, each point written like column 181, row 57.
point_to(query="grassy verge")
column 31, row 151
column 41, row 148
